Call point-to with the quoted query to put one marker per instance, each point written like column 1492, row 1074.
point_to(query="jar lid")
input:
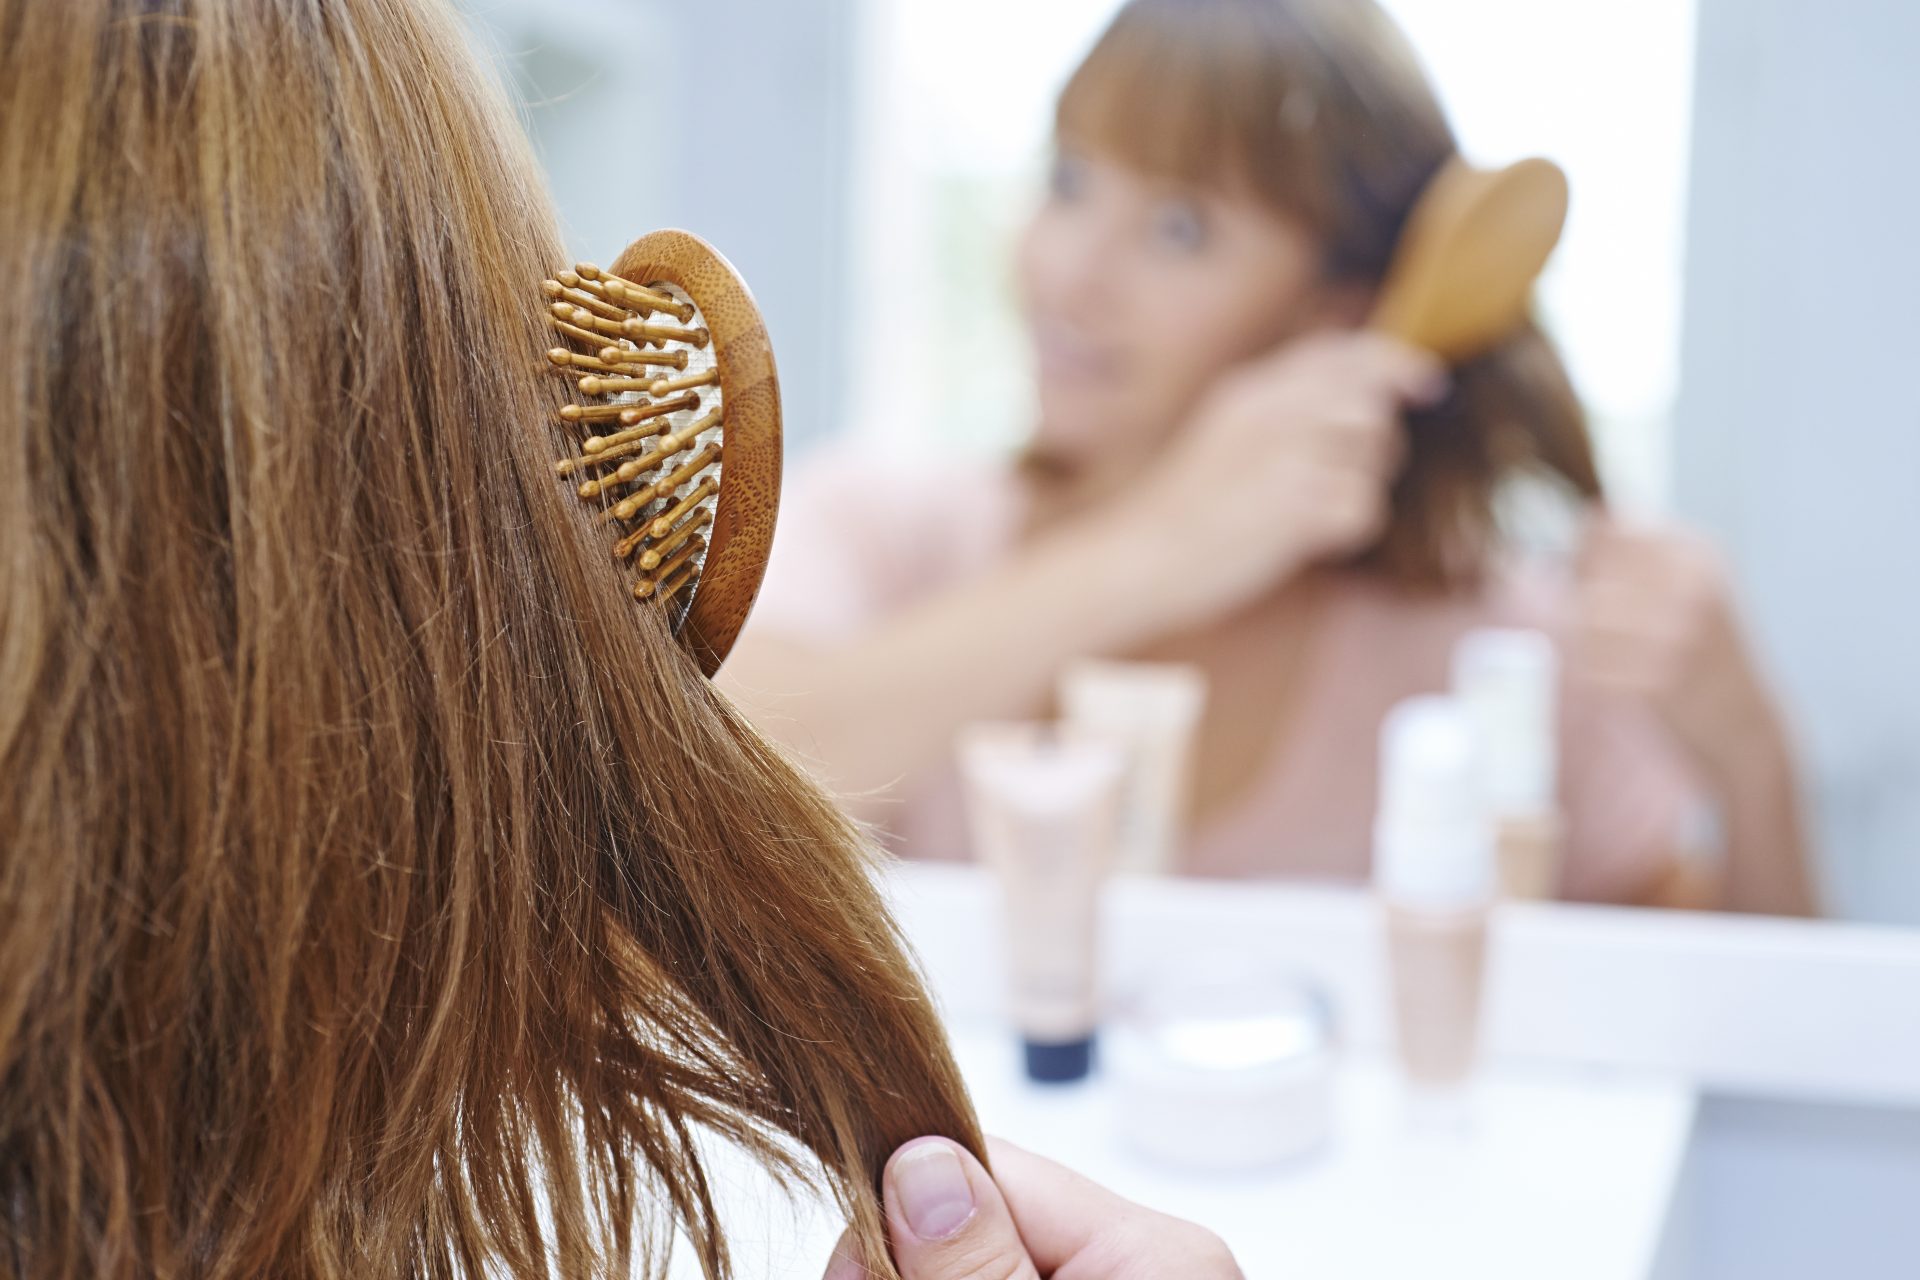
column 1224, row 1065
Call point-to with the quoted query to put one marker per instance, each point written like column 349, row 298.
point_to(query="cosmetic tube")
column 1153, row 708
column 1434, row 872
column 1042, row 804
column 1507, row 680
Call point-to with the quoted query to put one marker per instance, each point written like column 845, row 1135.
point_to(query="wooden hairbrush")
column 1462, row 275
column 677, row 428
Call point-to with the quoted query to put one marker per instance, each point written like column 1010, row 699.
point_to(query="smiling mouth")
column 1067, row 358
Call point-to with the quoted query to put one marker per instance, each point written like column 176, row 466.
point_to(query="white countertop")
column 1562, row 1174
column 1558, row 1174
column 1602, row 1026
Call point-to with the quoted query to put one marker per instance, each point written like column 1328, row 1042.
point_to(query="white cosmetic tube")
column 1507, row 681
column 1154, row 709
column 1043, row 806
column 1434, row 872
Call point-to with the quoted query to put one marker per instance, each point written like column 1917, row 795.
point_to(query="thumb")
column 947, row 1219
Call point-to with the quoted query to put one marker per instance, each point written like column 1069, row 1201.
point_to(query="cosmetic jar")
column 1224, row 1067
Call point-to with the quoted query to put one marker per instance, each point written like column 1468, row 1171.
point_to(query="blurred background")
column 1734, row 299
column 1733, row 294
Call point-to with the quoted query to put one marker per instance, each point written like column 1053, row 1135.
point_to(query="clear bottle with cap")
column 1434, row 872
column 1508, row 680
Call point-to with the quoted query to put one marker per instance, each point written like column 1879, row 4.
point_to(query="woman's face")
column 1139, row 293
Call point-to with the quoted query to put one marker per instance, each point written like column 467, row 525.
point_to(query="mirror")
column 1723, row 307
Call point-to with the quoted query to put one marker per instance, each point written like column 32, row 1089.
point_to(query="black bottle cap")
column 1059, row 1063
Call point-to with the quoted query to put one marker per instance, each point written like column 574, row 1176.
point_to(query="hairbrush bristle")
column 594, row 446
column 656, row 555
column 595, row 384
column 591, row 413
column 565, row 358
column 707, row 487
column 582, row 318
column 667, row 386
column 585, row 301
column 633, row 416
column 574, row 331
column 657, row 472
column 668, row 572
column 616, row 289
column 617, row 356
column 637, row 413
column 652, row 331
column 669, row 448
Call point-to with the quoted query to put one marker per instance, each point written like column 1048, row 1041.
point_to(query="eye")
column 1180, row 225
column 1067, row 181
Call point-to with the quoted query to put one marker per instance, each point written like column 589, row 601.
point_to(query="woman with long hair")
column 1228, row 471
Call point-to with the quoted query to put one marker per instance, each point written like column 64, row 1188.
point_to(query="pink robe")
column 861, row 538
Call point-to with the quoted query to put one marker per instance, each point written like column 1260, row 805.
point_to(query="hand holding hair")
column 949, row 1219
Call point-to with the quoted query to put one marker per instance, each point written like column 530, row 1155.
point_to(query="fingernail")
column 932, row 1188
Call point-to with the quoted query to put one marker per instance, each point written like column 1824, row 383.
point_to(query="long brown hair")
column 1319, row 107
column 382, row 891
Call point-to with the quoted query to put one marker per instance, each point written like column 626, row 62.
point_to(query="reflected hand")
column 1655, row 621
column 950, row 1221
column 1289, row 460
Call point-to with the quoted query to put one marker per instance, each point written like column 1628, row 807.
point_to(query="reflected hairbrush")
column 1463, row 273
column 678, row 422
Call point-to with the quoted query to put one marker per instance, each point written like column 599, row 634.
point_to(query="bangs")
column 1207, row 94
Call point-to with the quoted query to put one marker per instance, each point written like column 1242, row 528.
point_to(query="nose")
column 1077, row 263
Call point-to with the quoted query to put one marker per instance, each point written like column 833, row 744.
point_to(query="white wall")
column 1797, row 438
